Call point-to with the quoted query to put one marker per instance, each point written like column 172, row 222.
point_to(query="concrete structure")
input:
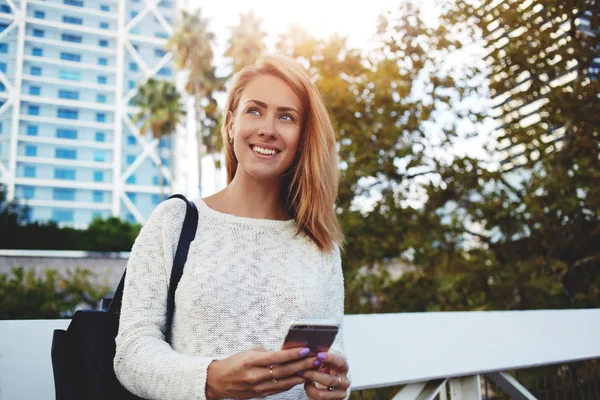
column 106, row 268
column 437, row 354
column 68, row 72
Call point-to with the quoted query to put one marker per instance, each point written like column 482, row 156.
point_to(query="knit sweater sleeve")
column 145, row 363
column 335, row 303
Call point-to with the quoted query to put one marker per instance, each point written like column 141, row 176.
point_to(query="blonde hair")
column 310, row 186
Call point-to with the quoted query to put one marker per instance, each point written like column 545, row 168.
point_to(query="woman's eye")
column 253, row 110
column 288, row 117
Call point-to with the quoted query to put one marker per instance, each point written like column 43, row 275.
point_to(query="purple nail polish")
column 300, row 373
column 317, row 363
column 304, row 352
column 322, row 356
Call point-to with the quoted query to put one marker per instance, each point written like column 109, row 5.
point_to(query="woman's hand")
column 257, row 373
column 332, row 377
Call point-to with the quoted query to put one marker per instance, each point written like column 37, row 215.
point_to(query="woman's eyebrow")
column 264, row 105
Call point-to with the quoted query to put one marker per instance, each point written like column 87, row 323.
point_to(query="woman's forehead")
column 271, row 90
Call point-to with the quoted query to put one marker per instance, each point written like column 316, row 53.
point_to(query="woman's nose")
column 268, row 128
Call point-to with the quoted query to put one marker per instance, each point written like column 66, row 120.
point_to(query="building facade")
column 544, row 34
column 68, row 72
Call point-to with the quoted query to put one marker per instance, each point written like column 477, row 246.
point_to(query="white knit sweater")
column 244, row 280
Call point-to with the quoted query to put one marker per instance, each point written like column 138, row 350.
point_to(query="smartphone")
column 316, row 334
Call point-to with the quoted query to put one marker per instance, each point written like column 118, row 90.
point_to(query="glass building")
column 68, row 72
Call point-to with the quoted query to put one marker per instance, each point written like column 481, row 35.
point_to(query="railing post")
column 466, row 388
column 511, row 386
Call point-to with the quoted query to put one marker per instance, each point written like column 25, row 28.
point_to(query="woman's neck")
column 251, row 198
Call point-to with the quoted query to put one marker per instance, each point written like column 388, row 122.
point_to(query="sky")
column 322, row 18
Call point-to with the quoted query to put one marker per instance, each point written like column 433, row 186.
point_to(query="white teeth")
column 260, row 150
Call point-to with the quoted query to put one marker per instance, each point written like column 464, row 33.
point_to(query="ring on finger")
column 271, row 372
column 332, row 388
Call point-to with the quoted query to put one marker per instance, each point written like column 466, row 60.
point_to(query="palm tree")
column 160, row 111
column 192, row 46
column 246, row 43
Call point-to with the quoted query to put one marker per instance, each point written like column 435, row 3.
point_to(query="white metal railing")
column 438, row 353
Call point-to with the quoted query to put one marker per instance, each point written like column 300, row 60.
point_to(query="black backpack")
column 82, row 356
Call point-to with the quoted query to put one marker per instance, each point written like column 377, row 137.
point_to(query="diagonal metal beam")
column 511, row 386
column 421, row 390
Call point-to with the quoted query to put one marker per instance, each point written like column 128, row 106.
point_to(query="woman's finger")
column 281, row 356
column 334, row 360
column 340, row 381
column 263, row 389
column 314, row 393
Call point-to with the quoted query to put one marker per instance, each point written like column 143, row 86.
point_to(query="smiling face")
column 266, row 128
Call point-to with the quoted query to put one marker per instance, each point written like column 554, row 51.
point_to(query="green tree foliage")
column 25, row 295
column 475, row 236
column 192, row 46
column 159, row 112
column 247, row 41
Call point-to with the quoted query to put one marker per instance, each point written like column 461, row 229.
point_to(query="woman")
column 265, row 253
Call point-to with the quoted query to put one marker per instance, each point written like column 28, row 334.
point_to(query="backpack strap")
column 188, row 232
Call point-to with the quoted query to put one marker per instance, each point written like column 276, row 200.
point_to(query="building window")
column 98, row 176
column 98, row 196
column 162, row 35
column 166, row 3
column 63, row 194
column 131, row 179
column 155, row 199
column 39, row 14
column 38, row 33
column 159, row 52
column 131, row 84
column 131, row 140
column 36, row 71
column 165, row 71
column 103, row 25
column 135, row 30
column 66, row 133
column 69, row 75
column 64, row 174
column 29, row 171
column 163, row 144
column 36, row 51
column 101, row 80
column 99, row 156
column 100, row 98
column 3, row 27
column 33, row 110
column 32, row 130
column 67, row 37
column 72, row 20
column 63, row 215
column 131, row 197
column 130, row 159
column 103, row 43
column 102, row 61
column 28, row 192
column 104, row 7
column 34, row 90
column 100, row 117
column 3, row 48
column 155, row 180
column 67, row 154
column 30, row 151
column 68, row 94
column 3, row 67
column 67, row 113
column 100, row 137
column 70, row 57
column 76, row 3
column 133, row 66
column 4, row 8
column 133, row 14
